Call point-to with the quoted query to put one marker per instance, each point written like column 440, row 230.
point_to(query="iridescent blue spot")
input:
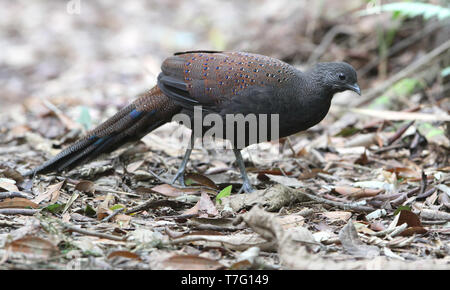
column 188, row 63
column 217, row 67
column 134, row 114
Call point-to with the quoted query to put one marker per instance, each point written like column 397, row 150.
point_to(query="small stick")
column 399, row 133
column 22, row 211
column 338, row 204
column 91, row 233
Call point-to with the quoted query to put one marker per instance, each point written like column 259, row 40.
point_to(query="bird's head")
column 336, row 76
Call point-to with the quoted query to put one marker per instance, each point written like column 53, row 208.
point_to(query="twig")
column 113, row 214
column 410, row 69
column 22, row 211
column 91, row 233
column 155, row 204
column 11, row 194
column 342, row 205
column 400, row 132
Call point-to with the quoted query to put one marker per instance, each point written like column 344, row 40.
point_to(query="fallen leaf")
column 51, row 192
column 291, row 221
column 85, row 186
column 337, row 215
column 169, row 190
column 199, row 179
column 357, row 192
column 8, row 184
column 124, row 254
column 353, row 245
column 191, row 262
column 132, row 167
column 204, row 207
column 33, row 247
column 413, row 222
column 17, row 202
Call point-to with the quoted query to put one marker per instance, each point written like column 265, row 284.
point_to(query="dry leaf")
column 353, row 245
column 125, row 254
column 85, row 186
column 357, row 192
column 52, row 192
column 33, row 247
column 201, row 179
column 169, row 190
column 204, row 207
column 337, row 215
column 413, row 222
column 17, row 202
column 191, row 262
column 8, row 184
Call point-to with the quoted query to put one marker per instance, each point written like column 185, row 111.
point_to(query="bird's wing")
column 214, row 79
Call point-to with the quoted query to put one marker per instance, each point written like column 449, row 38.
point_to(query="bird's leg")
column 180, row 173
column 246, row 186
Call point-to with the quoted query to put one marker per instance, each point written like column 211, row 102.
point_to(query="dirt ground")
column 367, row 188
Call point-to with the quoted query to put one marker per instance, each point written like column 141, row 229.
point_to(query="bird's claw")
column 246, row 187
column 180, row 177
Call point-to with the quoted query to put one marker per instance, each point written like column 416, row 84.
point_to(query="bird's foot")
column 246, row 187
column 180, row 177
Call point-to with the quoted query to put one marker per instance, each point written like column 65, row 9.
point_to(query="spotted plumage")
column 222, row 83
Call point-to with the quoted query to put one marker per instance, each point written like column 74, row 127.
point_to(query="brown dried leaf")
column 169, row 190
column 132, row 167
column 204, row 207
column 34, row 247
column 191, row 262
column 413, row 222
column 353, row 245
column 201, row 179
column 103, row 208
column 85, row 186
column 337, row 215
column 124, row 254
column 405, row 172
column 357, row 192
column 52, row 192
column 17, row 202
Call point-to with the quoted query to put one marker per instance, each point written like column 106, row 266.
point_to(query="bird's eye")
column 341, row 76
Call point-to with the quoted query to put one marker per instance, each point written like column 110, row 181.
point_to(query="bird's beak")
column 354, row 88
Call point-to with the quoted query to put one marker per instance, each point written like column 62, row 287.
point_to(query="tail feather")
column 148, row 112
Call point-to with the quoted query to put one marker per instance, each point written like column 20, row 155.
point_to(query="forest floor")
column 367, row 188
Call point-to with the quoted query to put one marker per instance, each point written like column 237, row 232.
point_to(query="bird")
column 221, row 83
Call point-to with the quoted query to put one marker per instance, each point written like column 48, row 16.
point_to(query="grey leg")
column 180, row 173
column 246, row 186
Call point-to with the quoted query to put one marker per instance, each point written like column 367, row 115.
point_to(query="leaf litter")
column 367, row 188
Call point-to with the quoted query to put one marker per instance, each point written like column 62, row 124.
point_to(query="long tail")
column 133, row 122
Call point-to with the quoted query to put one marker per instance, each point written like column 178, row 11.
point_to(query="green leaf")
column 117, row 206
column 445, row 72
column 54, row 208
column 406, row 87
column 89, row 211
column 223, row 193
column 402, row 207
column 85, row 118
column 347, row 131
